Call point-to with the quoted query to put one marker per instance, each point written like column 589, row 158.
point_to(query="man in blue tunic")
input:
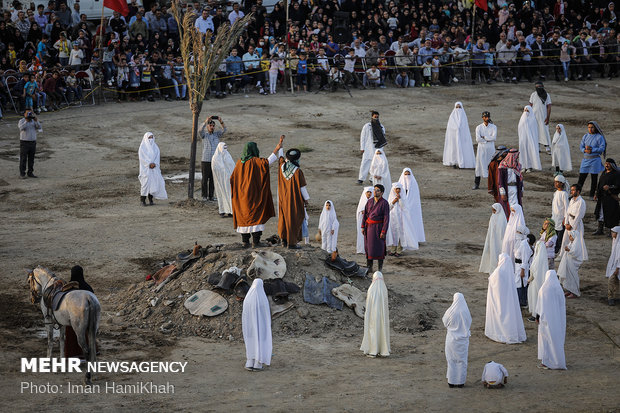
column 593, row 145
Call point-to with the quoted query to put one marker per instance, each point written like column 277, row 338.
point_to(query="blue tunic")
column 591, row 162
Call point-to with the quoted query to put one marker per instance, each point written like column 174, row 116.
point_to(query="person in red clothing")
column 51, row 90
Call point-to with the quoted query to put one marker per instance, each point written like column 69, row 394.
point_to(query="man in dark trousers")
column 28, row 127
column 607, row 211
column 210, row 139
column 375, row 223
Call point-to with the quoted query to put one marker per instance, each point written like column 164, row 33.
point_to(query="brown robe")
column 252, row 202
column 290, row 205
column 492, row 182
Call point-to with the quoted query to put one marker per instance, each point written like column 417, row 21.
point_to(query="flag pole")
column 101, row 68
column 288, row 52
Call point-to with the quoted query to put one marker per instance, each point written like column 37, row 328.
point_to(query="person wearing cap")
column 593, row 145
column 559, row 207
column 210, row 140
column 486, row 135
column 607, row 211
column 292, row 198
column 75, row 59
column 492, row 181
column 28, row 127
column 541, row 104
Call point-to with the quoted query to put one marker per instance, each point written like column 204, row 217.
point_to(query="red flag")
column 482, row 4
column 121, row 6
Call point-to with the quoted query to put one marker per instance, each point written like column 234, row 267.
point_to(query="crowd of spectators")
column 358, row 43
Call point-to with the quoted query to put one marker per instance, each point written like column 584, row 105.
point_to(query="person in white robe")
column 503, row 321
column 401, row 234
column 410, row 185
column 540, row 101
column 572, row 258
column 522, row 257
column 515, row 220
column 551, row 317
column 494, row 239
column 256, row 326
column 222, row 166
column 376, row 339
column 613, row 267
column 151, row 182
column 486, row 135
column 549, row 237
column 380, row 171
column 328, row 225
column 560, row 151
column 367, row 145
column 457, row 320
column 538, row 269
column 528, row 140
column 458, row 150
column 494, row 375
column 361, row 205
column 573, row 220
column 558, row 209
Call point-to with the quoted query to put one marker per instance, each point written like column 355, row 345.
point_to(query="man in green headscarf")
column 252, row 202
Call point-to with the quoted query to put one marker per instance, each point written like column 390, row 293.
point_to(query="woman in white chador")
column 361, row 205
column 613, row 267
column 380, row 171
column 410, row 185
column 515, row 220
column 458, row 150
column 551, row 310
column 376, row 339
column 151, row 182
column 538, row 269
column 256, row 326
column 457, row 320
column 400, row 235
column 503, row 315
column 572, row 258
column 528, row 140
column 493, row 242
column 222, row 165
column 560, row 151
column 328, row 225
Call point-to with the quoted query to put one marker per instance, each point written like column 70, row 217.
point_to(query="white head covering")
column 538, row 269
column 149, row 151
column 560, row 153
column 376, row 319
column 562, row 178
column 414, row 205
column 361, row 205
column 494, row 373
column 515, row 220
column 503, row 314
column 568, row 270
column 551, row 308
column 493, row 241
column 614, row 258
column 256, row 324
column 528, row 140
column 328, row 222
column 222, row 165
column 401, row 227
column 457, row 320
column 379, row 167
column 576, row 246
column 458, row 148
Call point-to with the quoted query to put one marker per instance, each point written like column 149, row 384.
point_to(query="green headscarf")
column 550, row 232
column 249, row 151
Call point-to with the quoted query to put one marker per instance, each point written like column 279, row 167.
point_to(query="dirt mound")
column 134, row 305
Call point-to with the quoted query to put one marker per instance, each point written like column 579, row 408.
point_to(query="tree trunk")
column 192, row 155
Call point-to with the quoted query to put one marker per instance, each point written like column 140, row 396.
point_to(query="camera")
column 30, row 115
column 215, row 117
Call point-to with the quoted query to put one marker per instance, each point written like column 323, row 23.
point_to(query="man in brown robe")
column 493, row 185
column 292, row 198
column 251, row 198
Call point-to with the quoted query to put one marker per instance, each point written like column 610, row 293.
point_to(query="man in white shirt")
column 360, row 49
column 507, row 58
column 486, row 135
column 574, row 218
column 204, row 22
column 372, row 76
column 235, row 14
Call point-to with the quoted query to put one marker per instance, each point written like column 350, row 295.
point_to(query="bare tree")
column 202, row 55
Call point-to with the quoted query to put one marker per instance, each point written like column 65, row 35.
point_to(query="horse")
column 79, row 309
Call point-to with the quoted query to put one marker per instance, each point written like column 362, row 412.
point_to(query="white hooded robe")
column 376, row 339
column 528, row 140
column 359, row 215
column 614, row 257
column 457, row 320
column 551, row 308
column 256, row 326
column 515, row 220
column 458, row 148
column 560, row 151
column 151, row 181
column 540, row 266
column 494, row 239
column 401, row 225
column 380, row 167
column 540, row 113
column 568, row 271
column 328, row 225
column 222, row 165
column 414, row 205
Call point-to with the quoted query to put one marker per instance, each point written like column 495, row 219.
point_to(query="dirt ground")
column 84, row 209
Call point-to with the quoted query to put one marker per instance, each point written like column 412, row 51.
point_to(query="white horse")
column 79, row 309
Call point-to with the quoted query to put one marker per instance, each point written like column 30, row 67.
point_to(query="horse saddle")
column 183, row 259
column 53, row 296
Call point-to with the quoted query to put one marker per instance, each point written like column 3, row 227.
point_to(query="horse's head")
column 38, row 280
